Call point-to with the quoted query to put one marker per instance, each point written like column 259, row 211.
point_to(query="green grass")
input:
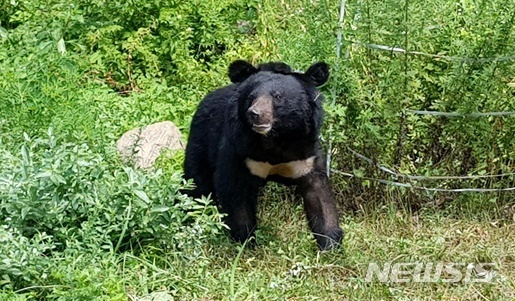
column 286, row 265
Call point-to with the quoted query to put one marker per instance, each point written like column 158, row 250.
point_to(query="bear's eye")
column 278, row 96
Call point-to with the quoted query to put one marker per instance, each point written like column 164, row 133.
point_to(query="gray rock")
column 143, row 145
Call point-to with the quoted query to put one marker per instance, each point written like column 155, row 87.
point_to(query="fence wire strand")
column 428, row 189
column 435, row 56
column 338, row 55
column 456, row 114
column 419, row 177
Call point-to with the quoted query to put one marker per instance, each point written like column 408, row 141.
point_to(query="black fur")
column 221, row 139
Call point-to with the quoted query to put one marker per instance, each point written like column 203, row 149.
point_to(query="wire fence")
column 402, row 180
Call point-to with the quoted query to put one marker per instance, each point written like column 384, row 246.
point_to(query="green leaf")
column 3, row 33
column 44, row 174
column 57, row 178
column 61, row 47
column 358, row 173
column 140, row 203
column 160, row 208
column 25, row 154
column 142, row 195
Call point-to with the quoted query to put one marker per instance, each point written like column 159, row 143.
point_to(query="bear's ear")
column 240, row 70
column 318, row 73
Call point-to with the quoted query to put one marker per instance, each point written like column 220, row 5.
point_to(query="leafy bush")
column 22, row 259
column 71, row 56
column 60, row 196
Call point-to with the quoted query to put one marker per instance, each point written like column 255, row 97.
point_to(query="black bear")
column 263, row 127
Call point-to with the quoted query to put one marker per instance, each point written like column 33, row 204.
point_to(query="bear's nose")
column 253, row 114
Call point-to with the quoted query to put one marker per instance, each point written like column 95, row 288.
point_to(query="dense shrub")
column 172, row 52
column 57, row 196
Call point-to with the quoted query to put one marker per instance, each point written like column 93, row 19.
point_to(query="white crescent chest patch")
column 292, row 169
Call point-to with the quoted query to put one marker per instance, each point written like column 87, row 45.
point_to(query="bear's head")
column 273, row 100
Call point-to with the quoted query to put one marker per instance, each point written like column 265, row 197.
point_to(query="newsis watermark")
column 445, row 272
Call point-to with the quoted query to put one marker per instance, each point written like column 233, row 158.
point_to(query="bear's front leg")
column 321, row 209
column 237, row 191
